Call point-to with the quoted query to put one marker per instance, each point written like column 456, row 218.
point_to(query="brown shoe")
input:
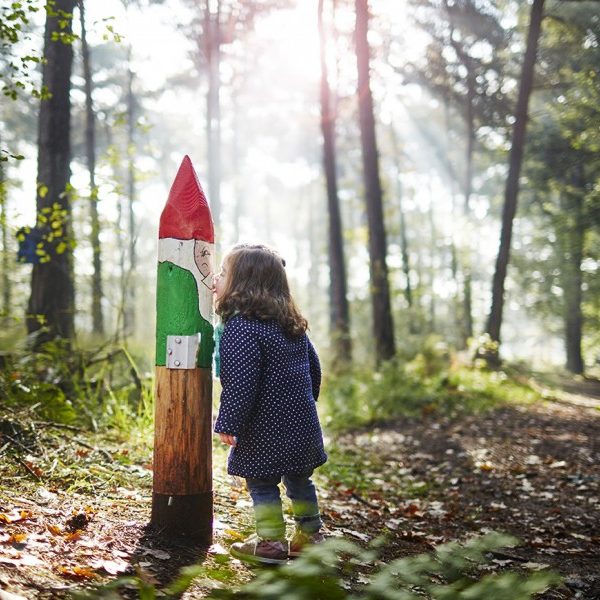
column 301, row 539
column 255, row 550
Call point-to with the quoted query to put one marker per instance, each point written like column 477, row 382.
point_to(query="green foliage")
column 90, row 387
column 329, row 572
column 15, row 73
column 562, row 170
column 417, row 381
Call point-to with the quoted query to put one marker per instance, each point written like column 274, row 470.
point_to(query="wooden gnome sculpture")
column 182, row 500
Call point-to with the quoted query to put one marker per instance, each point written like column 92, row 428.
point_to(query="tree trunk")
column 235, row 166
column 466, row 262
column 90, row 143
column 573, row 225
column 514, row 170
column 408, row 294
column 338, row 301
column 432, row 256
column 456, row 301
column 383, row 328
column 6, row 284
column 50, row 312
column 130, row 312
column 212, row 32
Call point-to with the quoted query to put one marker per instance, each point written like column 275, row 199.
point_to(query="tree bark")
column 130, row 286
column 212, row 32
column 432, row 255
column 6, row 283
column 50, row 311
column 408, row 292
column 573, row 226
column 466, row 266
column 339, row 314
column 383, row 328
column 512, row 183
column 90, row 144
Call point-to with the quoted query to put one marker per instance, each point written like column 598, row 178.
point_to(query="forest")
column 429, row 171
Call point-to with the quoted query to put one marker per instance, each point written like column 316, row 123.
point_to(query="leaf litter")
column 71, row 517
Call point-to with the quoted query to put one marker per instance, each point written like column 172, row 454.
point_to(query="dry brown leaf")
column 157, row 553
column 22, row 560
column 54, row 529
column 15, row 515
column 112, row 567
column 77, row 572
column 73, row 537
column 34, row 468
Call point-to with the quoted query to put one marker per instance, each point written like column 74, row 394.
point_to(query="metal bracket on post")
column 182, row 351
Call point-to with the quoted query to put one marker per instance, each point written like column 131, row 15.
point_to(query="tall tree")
column 50, row 312
column 129, row 315
column 383, row 327
column 514, row 169
column 562, row 167
column 404, row 247
column 213, row 41
column 90, row 149
column 338, row 299
column 572, row 252
column 6, row 283
column 465, row 68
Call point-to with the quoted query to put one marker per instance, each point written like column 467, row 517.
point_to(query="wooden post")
column 182, row 500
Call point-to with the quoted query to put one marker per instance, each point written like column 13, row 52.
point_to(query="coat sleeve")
column 240, row 376
column 315, row 369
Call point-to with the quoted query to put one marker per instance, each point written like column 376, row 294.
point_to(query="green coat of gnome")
column 184, row 302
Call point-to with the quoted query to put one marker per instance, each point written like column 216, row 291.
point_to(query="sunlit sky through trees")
column 270, row 112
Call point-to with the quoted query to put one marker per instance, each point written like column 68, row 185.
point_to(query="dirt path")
column 74, row 507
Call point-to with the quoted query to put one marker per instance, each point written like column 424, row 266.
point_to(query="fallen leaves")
column 112, row 567
column 15, row 515
column 77, row 572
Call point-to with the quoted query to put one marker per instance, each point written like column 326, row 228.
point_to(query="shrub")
column 331, row 570
column 427, row 379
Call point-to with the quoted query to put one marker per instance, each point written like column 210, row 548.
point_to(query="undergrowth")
column 342, row 570
column 416, row 382
column 101, row 388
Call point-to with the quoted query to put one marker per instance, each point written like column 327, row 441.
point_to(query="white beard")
column 181, row 253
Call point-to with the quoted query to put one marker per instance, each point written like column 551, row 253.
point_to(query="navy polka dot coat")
column 269, row 387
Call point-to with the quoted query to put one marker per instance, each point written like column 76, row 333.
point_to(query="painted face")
column 203, row 260
column 220, row 280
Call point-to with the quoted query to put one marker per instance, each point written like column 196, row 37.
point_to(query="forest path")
column 74, row 506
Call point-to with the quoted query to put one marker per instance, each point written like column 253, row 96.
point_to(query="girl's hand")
column 230, row 440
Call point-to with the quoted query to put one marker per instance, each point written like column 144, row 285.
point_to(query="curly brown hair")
column 256, row 286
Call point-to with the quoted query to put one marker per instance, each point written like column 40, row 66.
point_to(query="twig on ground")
column 104, row 453
column 17, row 443
column 363, row 500
column 507, row 556
column 57, row 425
column 4, row 448
column 27, row 467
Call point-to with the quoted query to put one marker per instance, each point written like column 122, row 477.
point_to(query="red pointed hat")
column 186, row 215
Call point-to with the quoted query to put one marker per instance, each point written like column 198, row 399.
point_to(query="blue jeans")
column 267, row 504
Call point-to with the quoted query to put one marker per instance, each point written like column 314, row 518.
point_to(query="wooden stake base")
column 182, row 500
column 184, row 516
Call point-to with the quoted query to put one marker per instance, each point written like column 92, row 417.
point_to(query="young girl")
column 270, row 377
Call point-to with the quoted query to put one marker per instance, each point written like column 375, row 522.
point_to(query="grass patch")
column 429, row 380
